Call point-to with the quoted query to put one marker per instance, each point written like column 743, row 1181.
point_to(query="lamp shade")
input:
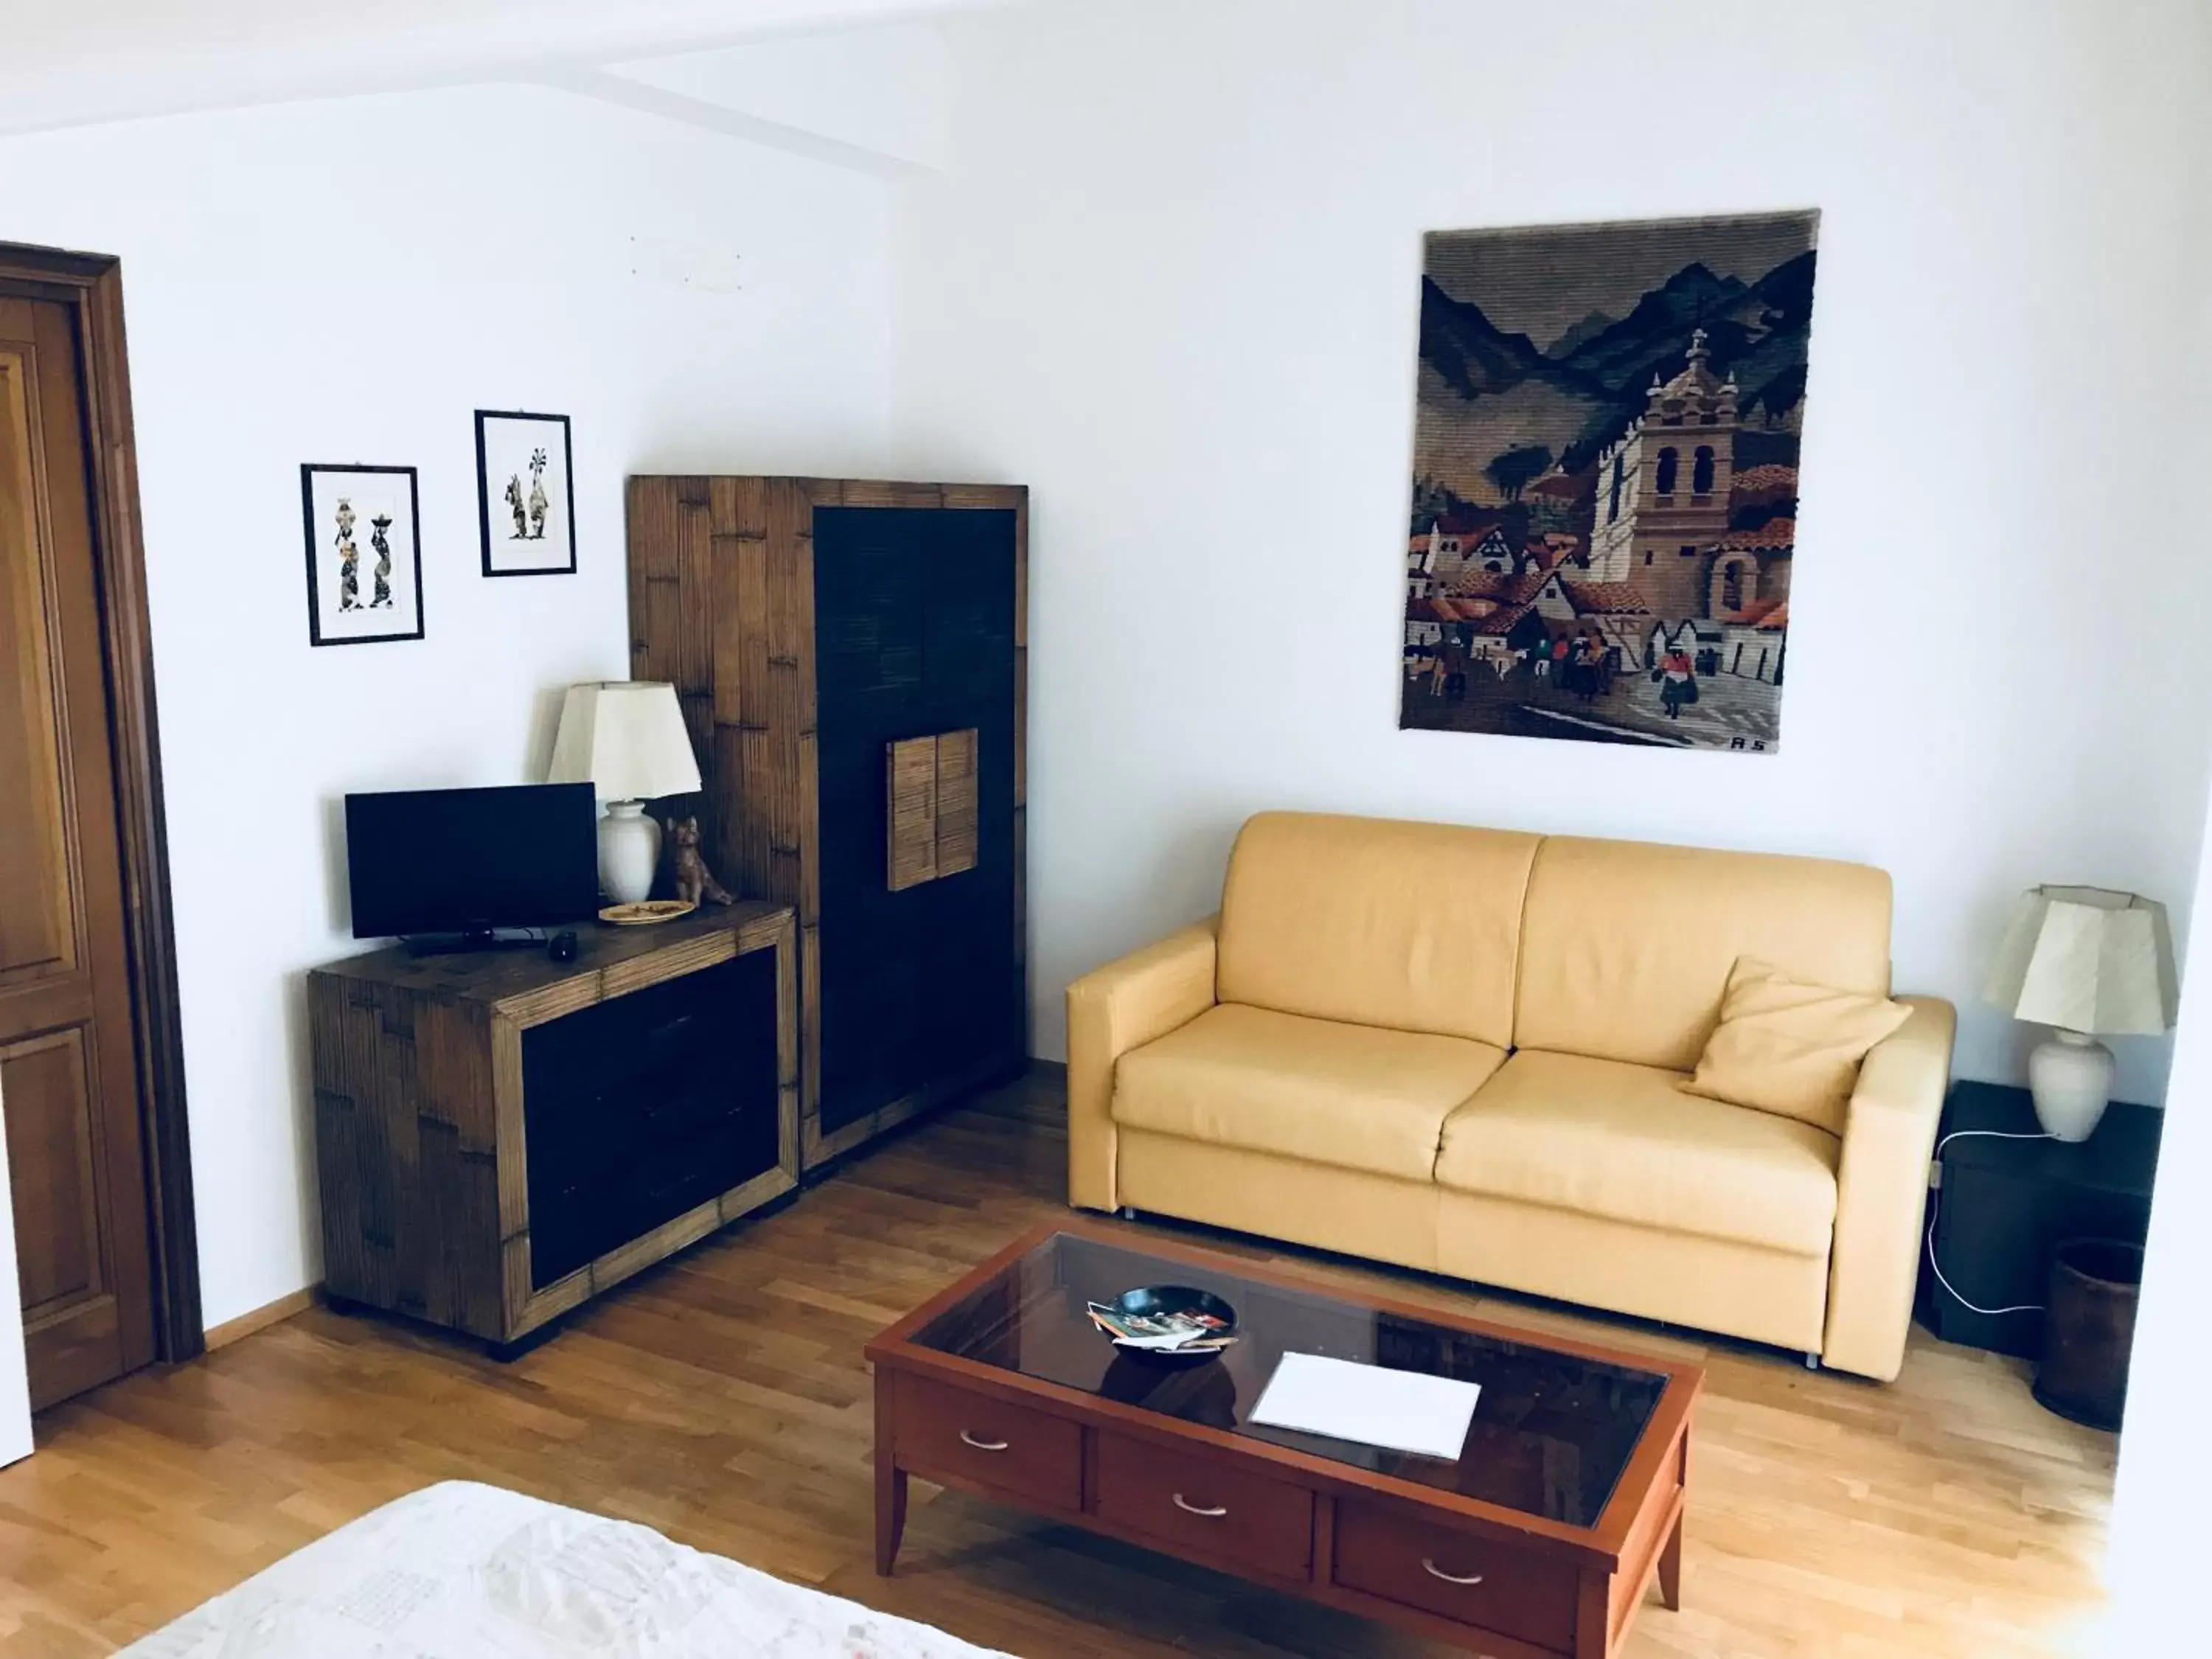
column 2087, row 959
column 626, row 739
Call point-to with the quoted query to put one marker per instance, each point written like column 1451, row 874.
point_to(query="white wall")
column 2155, row 1567
column 103, row 60
column 880, row 89
column 2156, row 1564
column 1170, row 281
column 349, row 281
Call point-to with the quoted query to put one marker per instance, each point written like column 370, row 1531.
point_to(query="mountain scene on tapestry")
column 1605, row 480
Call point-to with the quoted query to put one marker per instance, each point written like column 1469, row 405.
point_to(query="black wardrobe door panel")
column 914, row 620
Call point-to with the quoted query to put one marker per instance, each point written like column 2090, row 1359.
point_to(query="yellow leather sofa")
column 1458, row 1049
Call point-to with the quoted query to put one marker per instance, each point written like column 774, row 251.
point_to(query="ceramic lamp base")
column 2070, row 1078
column 629, row 852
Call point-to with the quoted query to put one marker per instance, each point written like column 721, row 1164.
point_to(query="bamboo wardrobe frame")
column 91, row 286
column 743, row 548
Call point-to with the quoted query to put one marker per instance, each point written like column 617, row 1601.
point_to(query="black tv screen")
column 464, row 860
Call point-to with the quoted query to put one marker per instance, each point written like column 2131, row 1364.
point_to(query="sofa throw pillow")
column 1790, row 1047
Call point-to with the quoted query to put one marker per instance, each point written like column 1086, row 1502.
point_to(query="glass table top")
column 1552, row 1432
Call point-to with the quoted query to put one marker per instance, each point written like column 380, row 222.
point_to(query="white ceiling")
column 67, row 61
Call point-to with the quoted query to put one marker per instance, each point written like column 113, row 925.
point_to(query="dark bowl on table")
column 1162, row 1301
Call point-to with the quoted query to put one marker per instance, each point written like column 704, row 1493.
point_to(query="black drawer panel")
column 637, row 1109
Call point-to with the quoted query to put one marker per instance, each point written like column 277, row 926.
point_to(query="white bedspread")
column 466, row 1572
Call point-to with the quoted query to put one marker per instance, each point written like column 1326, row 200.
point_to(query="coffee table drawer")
column 1244, row 1521
column 1024, row 1454
column 1394, row 1552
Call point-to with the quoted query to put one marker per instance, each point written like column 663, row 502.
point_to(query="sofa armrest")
column 1110, row 1011
column 1881, row 1191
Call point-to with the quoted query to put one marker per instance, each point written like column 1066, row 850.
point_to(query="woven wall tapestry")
column 1604, row 508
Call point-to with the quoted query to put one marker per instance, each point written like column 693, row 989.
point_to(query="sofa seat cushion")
column 1356, row 1097
column 1605, row 1137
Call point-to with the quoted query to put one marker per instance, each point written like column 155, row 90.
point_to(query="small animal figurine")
column 694, row 882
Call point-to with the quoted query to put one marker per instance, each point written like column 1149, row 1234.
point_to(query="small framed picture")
column 526, row 494
column 364, row 554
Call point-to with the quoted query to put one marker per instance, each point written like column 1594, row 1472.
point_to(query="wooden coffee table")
column 1539, row 1540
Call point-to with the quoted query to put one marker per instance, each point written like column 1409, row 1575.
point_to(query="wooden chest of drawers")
column 501, row 1136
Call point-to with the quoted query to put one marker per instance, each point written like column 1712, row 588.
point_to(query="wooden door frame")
column 91, row 285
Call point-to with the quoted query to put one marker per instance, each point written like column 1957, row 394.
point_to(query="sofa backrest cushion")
column 1374, row 921
column 1625, row 946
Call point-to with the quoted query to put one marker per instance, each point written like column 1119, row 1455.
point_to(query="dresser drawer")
column 1395, row 1553
column 984, row 1441
column 1244, row 1521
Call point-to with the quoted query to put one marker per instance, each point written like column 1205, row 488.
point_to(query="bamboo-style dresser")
column 501, row 1136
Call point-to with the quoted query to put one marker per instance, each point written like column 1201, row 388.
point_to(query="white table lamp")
column 627, row 739
column 2084, row 961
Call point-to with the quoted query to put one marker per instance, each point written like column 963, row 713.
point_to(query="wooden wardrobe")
column 853, row 662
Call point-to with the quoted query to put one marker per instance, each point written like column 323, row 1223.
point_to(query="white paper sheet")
column 1403, row 1411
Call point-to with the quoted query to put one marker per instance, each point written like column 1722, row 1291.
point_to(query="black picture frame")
column 567, row 495
column 309, row 472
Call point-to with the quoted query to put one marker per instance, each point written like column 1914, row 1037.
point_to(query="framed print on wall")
column 526, row 494
column 364, row 554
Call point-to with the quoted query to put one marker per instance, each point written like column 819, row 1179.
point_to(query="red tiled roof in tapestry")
column 1603, row 598
column 1434, row 610
column 1771, row 479
column 1450, row 609
column 1775, row 536
column 1550, row 552
column 1480, row 585
column 1751, row 615
column 1501, row 621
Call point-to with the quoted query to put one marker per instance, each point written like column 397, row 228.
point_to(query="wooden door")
column 68, row 1088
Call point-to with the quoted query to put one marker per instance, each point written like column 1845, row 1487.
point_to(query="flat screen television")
column 468, row 861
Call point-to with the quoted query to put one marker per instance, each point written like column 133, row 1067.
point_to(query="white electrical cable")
column 1935, row 1208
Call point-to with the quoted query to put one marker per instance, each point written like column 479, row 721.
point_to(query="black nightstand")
column 2005, row 1205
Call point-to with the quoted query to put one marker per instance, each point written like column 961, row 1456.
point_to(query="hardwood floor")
column 721, row 1399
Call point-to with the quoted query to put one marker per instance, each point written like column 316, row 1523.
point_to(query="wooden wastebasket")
column 2089, row 1326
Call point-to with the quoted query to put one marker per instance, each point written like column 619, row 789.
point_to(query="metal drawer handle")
column 981, row 1445
column 1189, row 1507
column 1430, row 1566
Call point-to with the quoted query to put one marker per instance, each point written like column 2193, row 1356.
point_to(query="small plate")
column 645, row 912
